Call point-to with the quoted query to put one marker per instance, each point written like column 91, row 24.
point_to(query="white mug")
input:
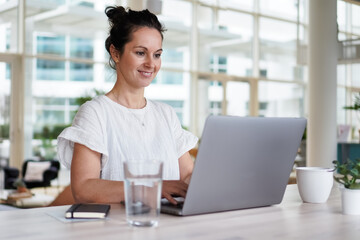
column 314, row 183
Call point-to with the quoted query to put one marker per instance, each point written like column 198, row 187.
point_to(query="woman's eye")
column 140, row 53
column 158, row 55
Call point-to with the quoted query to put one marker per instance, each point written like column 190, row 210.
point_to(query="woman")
column 122, row 124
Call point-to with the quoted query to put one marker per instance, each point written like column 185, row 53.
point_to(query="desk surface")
column 291, row 219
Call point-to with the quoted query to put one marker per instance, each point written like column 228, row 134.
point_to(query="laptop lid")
column 242, row 162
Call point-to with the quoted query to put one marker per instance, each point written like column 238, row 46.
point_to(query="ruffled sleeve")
column 87, row 129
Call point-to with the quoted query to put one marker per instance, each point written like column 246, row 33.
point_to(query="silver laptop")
column 242, row 162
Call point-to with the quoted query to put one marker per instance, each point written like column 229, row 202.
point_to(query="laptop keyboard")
column 179, row 205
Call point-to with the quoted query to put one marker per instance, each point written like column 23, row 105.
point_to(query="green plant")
column 4, row 131
column 19, row 183
column 348, row 173
column 88, row 96
column 356, row 105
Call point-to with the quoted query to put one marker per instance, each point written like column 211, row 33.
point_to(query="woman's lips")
column 146, row 74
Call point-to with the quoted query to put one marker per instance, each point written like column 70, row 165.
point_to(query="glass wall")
column 9, row 39
column 252, row 40
column 225, row 46
column 237, row 98
column 288, row 9
column 231, row 44
column 281, row 99
column 348, row 71
column 278, row 50
column 5, row 83
column 245, row 58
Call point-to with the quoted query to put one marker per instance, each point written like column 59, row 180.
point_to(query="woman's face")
column 141, row 59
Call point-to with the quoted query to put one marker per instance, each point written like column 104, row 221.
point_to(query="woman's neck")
column 127, row 99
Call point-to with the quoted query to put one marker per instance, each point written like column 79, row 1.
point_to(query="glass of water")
column 143, row 183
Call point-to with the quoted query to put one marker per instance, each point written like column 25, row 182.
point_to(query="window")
column 81, row 72
column 242, row 5
column 209, row 101
column 81, row 48
column 238, row 97
column 54, row 45
column 228, row 47
column 287, row 9
column 348, row 20
column 278, row 49
column 174, row 58
column 222, row 59
column 348, row 70
column 171, row 78
column 50, row 70
column 5, row 83
column 281, row 99
column 8, row 27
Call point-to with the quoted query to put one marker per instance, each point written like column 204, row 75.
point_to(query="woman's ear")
column 115, row 55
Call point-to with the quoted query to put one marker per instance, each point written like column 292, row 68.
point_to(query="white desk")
column 291, row 219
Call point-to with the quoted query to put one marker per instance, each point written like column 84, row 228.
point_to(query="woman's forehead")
column 146, row 37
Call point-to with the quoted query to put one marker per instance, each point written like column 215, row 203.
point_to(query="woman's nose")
column 149, row 62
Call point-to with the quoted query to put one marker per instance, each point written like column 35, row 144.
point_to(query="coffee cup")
column 314, row 183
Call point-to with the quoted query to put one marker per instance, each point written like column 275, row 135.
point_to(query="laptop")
column 242, row 162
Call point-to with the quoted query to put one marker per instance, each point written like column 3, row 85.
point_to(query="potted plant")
column 20, row 185
column 348, row 175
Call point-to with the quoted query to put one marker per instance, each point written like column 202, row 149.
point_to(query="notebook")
column 242, row 162
column 83, row 210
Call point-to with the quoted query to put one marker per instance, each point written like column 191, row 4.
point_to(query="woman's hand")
column 171, row 188
column 178, row 188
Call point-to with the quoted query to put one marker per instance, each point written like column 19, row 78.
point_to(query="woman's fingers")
column 174, row 188
column 169, row 198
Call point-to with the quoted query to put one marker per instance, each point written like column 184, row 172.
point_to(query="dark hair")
column 124, row 22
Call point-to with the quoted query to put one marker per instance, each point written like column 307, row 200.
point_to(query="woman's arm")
column 86, row 185
column 186, row 165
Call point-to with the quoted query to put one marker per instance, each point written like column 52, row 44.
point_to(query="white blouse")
column 119, row 134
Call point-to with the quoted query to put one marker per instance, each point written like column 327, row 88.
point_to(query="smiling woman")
column 123, row 125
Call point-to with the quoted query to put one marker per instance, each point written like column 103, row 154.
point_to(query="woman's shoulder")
column 92, row 111
column 92, row 107
column 95, row 103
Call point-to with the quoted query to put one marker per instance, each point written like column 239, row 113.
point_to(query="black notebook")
column 82, row 210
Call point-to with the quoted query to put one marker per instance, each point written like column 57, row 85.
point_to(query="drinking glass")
column 143, row 183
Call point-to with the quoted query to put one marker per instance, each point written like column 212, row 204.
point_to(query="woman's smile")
column 145, row 74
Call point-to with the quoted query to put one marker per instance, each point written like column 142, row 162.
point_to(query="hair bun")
column 115, row 14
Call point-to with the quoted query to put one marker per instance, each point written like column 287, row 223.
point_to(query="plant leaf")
column 354, row 172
